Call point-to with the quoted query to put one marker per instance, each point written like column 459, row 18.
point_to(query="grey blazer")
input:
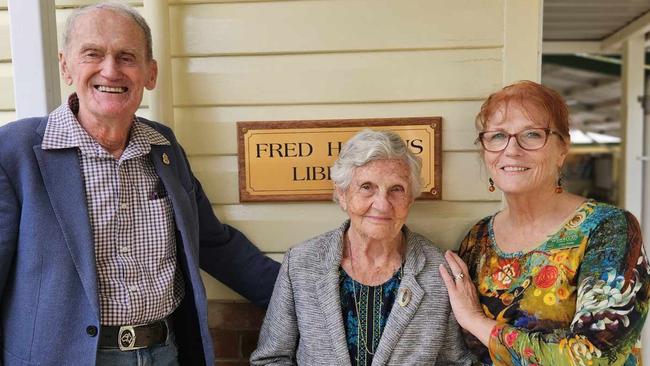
column 304, row 324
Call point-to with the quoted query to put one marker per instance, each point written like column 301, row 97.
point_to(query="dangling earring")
column 491, row 186
column 558, row 186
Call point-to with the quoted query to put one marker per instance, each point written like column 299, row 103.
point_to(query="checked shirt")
column 131, row 218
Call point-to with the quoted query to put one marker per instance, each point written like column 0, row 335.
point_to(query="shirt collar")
column 63, row 131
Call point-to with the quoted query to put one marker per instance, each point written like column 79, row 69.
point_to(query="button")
column 124, row 206
column 125, row 249
column 133, row 288
column 91, row 330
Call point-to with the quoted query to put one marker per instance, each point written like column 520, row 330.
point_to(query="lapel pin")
column 165, row 159
column 404, row 297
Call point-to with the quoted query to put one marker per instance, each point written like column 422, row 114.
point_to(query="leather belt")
column 132, row 337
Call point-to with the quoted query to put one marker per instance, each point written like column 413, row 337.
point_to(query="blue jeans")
column 157, row 355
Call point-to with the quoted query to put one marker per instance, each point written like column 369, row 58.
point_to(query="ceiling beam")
column 582, row 63
column 571, row 47
column 598, row 86
column 611, row 108
column 601, row 126
column 639, row 26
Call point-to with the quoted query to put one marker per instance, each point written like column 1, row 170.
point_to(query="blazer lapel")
column 401, row 314
column 166, row 163
column 327, row 292
column 64, row 185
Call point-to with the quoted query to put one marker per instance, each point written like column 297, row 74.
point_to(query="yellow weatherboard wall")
column 334, row 59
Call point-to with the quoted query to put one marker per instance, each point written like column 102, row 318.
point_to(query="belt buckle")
column 126, row 338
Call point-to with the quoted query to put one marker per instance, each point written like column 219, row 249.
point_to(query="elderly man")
column 102, row 224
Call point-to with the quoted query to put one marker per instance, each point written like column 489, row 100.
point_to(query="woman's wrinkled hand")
column 464, row 299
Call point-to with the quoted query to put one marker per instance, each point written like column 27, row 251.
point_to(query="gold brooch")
column 576, row 220
column 404, row 297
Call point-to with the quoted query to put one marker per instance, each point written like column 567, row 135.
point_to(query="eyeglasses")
column 529, row 140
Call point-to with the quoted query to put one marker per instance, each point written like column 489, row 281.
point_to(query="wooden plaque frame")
column 248, row 128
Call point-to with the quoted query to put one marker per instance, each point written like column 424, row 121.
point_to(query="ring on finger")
column 459, row 276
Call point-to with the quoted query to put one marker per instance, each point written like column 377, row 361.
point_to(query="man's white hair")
column 116, row 7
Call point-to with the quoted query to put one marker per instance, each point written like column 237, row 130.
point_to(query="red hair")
column 540, row 103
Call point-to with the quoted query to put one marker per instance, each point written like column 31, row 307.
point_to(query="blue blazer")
column 49, row 311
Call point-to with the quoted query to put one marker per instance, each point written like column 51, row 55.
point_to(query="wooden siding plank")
column 6, row 117
column 462, row 178
column 7, row 90
column 5, row 39
column 212, row 130
column 218, row 176
column 337, row 78
column 270, row 27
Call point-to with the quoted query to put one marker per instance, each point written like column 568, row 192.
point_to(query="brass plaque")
column 291, row 160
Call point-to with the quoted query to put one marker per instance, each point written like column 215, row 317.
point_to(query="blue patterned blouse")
column 365, row 311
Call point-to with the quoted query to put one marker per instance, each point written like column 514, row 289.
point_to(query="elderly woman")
column 368, row 292
column 561, row 280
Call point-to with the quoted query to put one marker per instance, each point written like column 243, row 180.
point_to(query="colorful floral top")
column 580, row 298
column 373, row 303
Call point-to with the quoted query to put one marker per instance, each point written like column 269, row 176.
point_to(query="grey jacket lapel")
column 64, row 185
column 400, row 316
column 327, row 292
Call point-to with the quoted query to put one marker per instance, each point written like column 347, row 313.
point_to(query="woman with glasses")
column 553, row 278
